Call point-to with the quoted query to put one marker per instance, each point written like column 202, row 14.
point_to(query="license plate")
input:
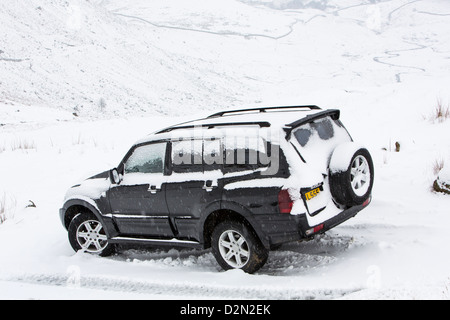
column 311, row 194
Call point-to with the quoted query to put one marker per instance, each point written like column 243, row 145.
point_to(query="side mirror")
column 114, row 176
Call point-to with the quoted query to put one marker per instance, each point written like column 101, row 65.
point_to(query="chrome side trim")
column 155, row 240
column 134, row 216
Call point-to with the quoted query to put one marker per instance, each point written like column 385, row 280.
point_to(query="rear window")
column 323, row 128
column 316, row 140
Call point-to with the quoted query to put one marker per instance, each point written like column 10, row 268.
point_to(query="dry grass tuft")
column 7, row 207
column 440, row 112
column 2, row 209
column 437, row 166
column 22, row 144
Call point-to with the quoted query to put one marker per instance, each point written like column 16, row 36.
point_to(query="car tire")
column 86, row 233
column 236, row 247
column 353, row 186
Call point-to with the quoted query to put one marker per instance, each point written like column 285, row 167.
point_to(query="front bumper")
column 62, row 212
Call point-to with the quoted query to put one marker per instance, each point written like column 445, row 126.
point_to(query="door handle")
column 208, row 186
column 153, row 189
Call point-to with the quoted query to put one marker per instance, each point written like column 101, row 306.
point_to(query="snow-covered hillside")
column 82, row 80
column 98, row 58
column 80, row 57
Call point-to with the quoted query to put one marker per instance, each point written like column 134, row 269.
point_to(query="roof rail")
column 261, row 124
column 263, row 109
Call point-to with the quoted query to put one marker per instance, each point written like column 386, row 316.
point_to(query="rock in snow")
column 442, row 183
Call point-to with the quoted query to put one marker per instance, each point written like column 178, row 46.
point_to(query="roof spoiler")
column 333, row 113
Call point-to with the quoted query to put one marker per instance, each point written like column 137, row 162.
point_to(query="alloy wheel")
column 234, row 249
column 91, row 236
column 360, row 175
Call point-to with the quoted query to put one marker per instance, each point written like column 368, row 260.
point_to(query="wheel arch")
column 235, row 212
column 74, row 207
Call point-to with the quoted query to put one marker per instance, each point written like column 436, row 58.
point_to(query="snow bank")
column 444, row 174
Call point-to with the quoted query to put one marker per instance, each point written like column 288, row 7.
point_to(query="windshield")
column 316, row 140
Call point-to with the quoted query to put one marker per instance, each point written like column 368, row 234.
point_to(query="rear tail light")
column 285, row 202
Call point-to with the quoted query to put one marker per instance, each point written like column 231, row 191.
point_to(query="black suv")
column 242, row 182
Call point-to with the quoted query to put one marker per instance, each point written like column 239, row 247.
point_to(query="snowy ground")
column 127, row 68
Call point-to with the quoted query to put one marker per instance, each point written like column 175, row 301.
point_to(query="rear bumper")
column 281, row 228
column 335, row 221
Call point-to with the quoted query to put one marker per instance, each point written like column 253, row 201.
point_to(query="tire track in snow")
column 184, row 290
column 289, row 259
column 283, row 262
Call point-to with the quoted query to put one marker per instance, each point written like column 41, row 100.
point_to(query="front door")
column 138, row 203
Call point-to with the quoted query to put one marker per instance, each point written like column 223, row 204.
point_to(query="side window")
column 244, row 153
column 187, row 156
column 147, row 159
column 213, row 154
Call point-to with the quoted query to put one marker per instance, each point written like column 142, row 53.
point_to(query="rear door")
column 244, row 184
column 193, row 185
column 315, row 142
column 138, row 203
